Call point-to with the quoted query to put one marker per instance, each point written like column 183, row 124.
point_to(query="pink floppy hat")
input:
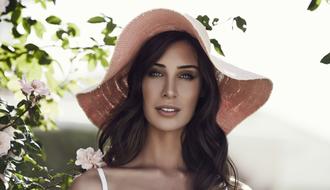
column 242, row 92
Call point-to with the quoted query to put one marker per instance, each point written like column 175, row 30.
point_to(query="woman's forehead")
column 179, row 54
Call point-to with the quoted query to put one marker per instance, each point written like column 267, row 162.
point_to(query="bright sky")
column 284, row 41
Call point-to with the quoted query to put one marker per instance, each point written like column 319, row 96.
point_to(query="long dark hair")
column 204, row 143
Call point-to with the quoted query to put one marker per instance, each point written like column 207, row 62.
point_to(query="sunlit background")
column 285, row 145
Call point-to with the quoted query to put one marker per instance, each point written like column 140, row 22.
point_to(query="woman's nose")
column 169, row 89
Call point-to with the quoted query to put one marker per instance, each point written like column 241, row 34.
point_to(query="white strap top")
column 103, row 179
column 105, row 184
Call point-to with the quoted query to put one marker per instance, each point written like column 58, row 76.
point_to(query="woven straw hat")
column 242, row 92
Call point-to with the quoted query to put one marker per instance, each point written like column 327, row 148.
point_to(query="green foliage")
column 108, row 29
column 26, row 155
column 240, row 23
column 326, row 59
column 217, row 46
column 314, row 4
column 53, row 20
column 97, row 19
column 205, row 20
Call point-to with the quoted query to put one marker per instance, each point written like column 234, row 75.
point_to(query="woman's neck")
column 162, row 151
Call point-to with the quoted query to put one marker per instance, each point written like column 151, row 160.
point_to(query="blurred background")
column 285, row 145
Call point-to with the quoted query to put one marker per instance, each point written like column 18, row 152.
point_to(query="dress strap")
column 103, row 179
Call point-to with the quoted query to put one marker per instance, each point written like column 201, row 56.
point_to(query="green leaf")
column 21, row 103
column 4, row 111
column 240, row 23
column 108, row 40
column 43, row 57
column 12, row 6
column 205, row 21
column 104, row 62
column 91, row 60
column 42, row 2
column 8, row 48
column 215, row 21
column 217, row 46
column 15, row 33
column 314, row 4
column 39, row 29
column 53, row 20
column 326, row 59
column 73, row 30
column 100, row 52
column 5, row 119
column 31, row 47
column 15, row 16
column 65, row 43
column 31, row 21
column 60, row 33
column 96, row 19
column 110, row 27
column 26, row 25
column 19, row 121
column 45, row 60
column 28, row 159
column 10, row 108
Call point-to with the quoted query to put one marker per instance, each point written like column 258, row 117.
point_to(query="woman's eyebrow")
column 179, row 67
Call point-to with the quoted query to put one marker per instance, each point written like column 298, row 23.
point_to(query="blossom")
column 10, row 131
column 4, row 143
column 3, row 5
column 36, row 86
column 88, row 158
column 3, row 178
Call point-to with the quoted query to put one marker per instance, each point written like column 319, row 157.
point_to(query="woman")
column 164, row 109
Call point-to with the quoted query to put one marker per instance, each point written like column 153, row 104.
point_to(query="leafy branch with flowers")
column 21, row 152
column 22, row 156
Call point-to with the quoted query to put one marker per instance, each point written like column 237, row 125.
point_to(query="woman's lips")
column 167, row 111
column 167, row 114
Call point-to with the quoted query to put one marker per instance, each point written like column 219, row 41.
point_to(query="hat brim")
column 242, row 92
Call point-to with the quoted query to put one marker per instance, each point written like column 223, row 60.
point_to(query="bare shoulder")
column 89, row 180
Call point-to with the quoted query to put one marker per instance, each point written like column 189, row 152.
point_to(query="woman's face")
column 173, row 82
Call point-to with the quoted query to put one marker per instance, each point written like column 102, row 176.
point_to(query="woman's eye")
column 187, row 76
column 154, row 74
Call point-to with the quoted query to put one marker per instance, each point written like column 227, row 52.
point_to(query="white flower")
column 3, row 5
column 4, row 143
column 10, row 131
column 36, row 86
column 26, row 87
column 88, row 158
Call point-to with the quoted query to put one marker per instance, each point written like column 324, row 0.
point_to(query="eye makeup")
column 188, row 75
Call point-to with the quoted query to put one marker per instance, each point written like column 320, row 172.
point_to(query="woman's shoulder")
column 88, row 180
